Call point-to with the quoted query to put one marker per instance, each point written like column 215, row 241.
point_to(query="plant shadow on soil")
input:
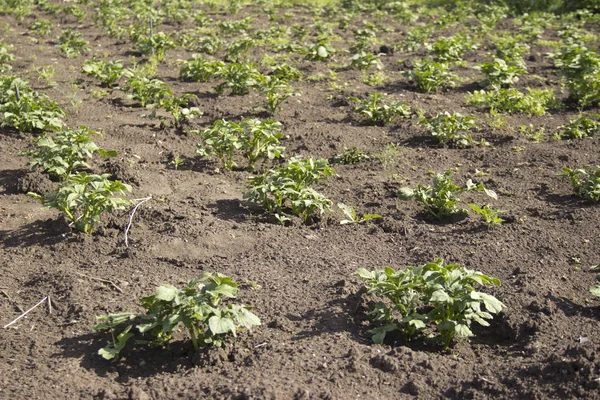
column 9, row 180
column 130, row 365
column 40, row 233
column 339, row 315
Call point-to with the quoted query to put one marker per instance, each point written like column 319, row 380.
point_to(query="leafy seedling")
column 353, row 218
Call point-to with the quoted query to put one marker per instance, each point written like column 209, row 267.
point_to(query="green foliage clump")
column 146, row 90
column 198, row 69
column 65, row 153
column 500, row 74
column 108, row 72
column 256, row 139
column 323, row 50
column 26, row 110
column 155, row 44
column 350, row 156
column 441, row 199
column 585, row 181
column 288, row 189
column 580, row 67
column 489, row 215
column 199, row 307
column 379, row 111
column 434, row 296
column 72, row 43
column 448, row 127
column 429, row 76
column 512, row 101
column 5, row 57
column 240, row 78
column 41, row 27
column 446, row 49
column 84, row 197
column 581, row 127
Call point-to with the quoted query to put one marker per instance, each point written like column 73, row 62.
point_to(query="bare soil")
column 313, row 341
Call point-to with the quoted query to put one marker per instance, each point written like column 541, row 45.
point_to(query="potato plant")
column 65, row 153
column 25, row 110
column 512, row 101
column 84, row 197
column 107, row 72
column 72, row 43
column 203, row 307
column 430, row 76
column 440, row 199
column 287, row 189
column 378, row 111
column 254, row 138
column 450, row 128
column 435, row 296
column 585, row 181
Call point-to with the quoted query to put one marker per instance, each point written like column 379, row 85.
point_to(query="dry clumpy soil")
column 313, row 341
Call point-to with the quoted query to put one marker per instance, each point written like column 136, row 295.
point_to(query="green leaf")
column 595, row 290
column 219, row 325
column 440, row 296
column 380, row 332
column 166, row 293
column 365, row 274
column 247, row 319
column 462, row 330
column 406, row 193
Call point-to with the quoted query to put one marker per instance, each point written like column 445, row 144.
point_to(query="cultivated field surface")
column 373, row 103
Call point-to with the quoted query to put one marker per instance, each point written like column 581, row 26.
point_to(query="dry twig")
column 132, row 213
column 25, row 313
column 114, row 285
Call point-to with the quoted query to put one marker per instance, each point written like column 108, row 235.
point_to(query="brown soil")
column 313, row 342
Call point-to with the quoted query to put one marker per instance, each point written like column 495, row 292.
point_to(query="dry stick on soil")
column 132, row 213
column 101, row 280
column 25, row 313
column 14, row 303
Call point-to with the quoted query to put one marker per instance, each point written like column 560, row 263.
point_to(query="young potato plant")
column 72, row 43
column 146, row 90
column 441, row 199
column 107, row 72
column 580, row 127
column 350, row 156
column 323, row 50
column 448, row 128
column 5, row 57
column 378, row 112
column 489, row 215
column 353, row 218
column 585, row 181
column 65, row 153
column 500, row 74
column 429, row 76
column 155, row 44
column 260, row 139
column 512, row 101
column 364, row 61
column 580, row 67
column 202, row 307
column 198, row 69
column 288, row 189
column 84, row 197
column 240, row 78
column 25, row 110
column 437, row 296
column 41, row 27
column 446, row 49
column 275, row 90
column 178, row 107
column 255, row 138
